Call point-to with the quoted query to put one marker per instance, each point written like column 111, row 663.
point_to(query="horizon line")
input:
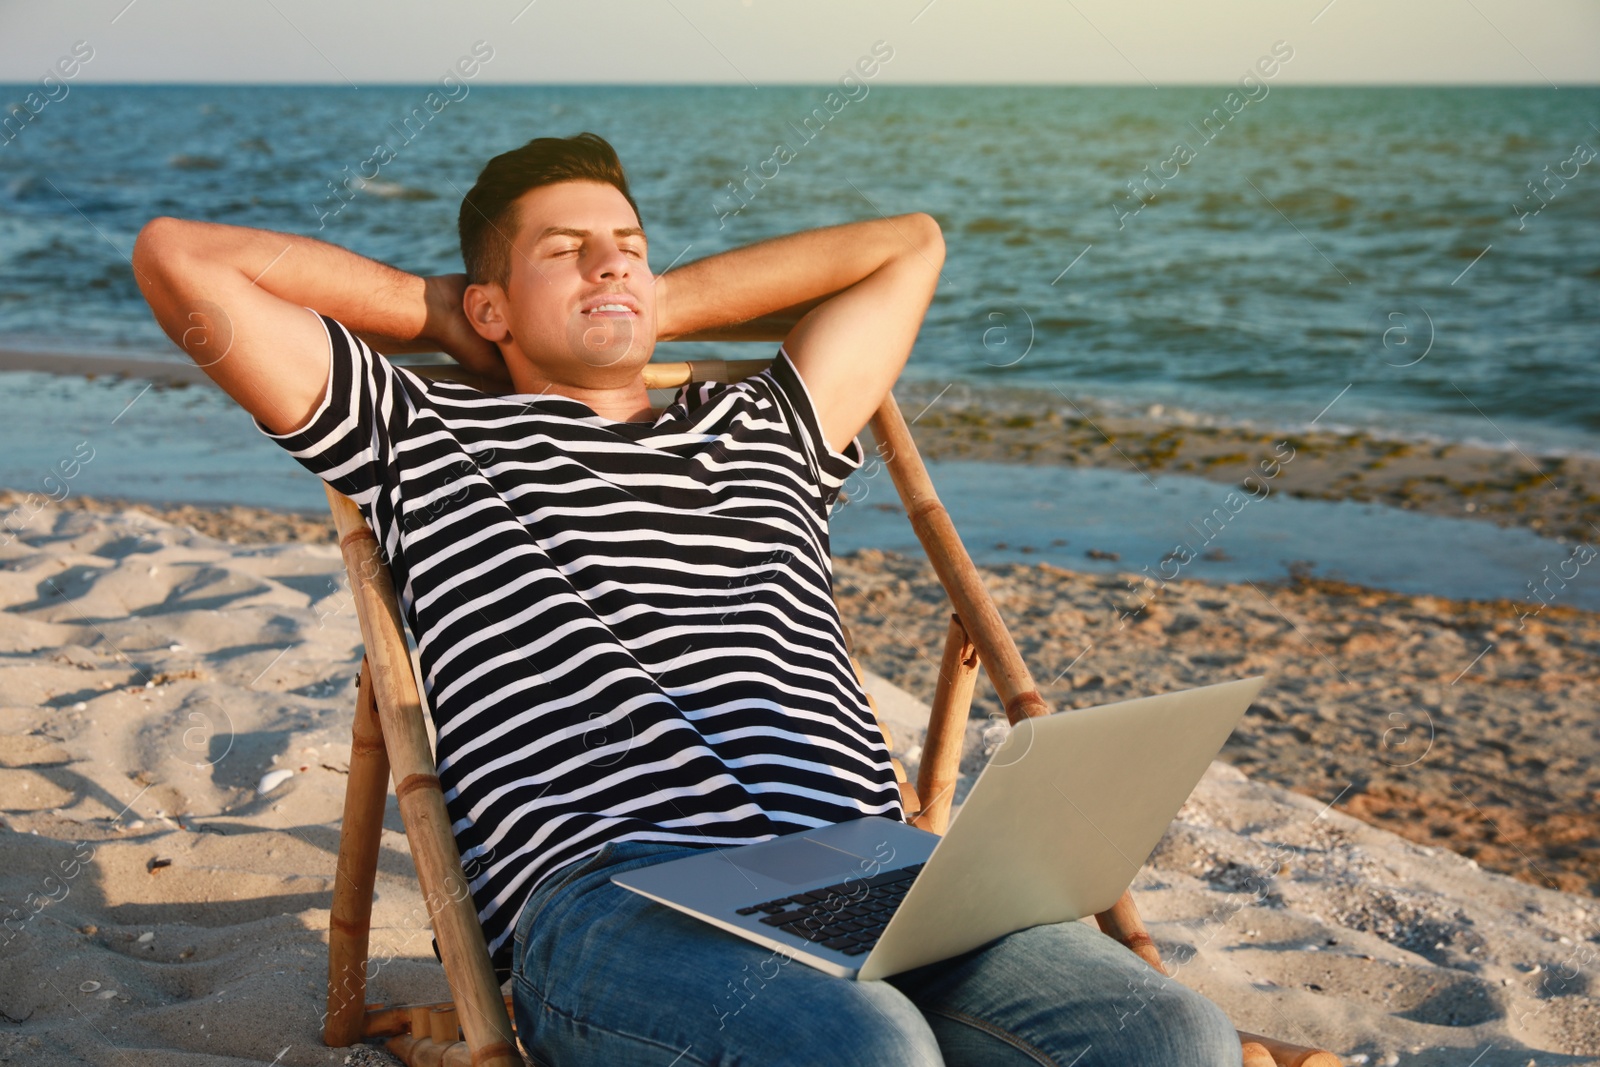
column 1132, row 84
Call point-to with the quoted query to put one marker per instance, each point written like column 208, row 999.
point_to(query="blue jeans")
column 605, row 976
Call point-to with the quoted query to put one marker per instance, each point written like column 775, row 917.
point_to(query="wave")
column 394, row 190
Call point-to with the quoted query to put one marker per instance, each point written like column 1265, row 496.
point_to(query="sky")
column 756, row 42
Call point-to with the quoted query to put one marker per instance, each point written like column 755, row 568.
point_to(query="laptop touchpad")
column 796, row 862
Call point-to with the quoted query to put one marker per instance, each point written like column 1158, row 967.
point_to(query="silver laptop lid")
column 1059, row 822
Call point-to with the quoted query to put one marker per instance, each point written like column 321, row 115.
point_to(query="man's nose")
column 610, row 262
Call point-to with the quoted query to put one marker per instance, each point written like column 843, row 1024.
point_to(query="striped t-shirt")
column 626, row 629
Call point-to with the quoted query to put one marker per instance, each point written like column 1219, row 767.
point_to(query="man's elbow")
column 930, row 238
column 165, row 268
column 170, row 254
column 159, row 241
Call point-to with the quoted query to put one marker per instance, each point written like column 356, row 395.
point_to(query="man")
column 624, row 620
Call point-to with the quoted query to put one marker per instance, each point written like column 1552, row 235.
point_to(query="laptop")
column 1060, row 820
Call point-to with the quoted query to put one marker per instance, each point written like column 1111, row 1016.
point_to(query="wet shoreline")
column 1553, row 495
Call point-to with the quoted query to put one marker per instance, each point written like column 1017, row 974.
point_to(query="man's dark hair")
column 488, row 222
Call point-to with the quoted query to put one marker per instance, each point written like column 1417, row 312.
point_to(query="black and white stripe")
column 626, row 630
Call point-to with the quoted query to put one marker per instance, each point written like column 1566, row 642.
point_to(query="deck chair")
column 390, row 740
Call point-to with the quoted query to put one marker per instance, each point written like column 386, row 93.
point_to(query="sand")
column 165, row 910
column 1383, row 703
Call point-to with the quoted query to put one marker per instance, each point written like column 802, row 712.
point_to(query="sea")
column 1422, row 262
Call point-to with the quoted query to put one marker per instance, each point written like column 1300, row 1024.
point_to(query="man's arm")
column 233, row 298
column 847, row 302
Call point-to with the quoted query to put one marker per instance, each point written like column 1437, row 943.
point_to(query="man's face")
column 580, row 302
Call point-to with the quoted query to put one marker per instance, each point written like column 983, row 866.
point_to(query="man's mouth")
column 612, row 304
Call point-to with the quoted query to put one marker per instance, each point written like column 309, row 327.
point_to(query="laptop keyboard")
column 852, row 922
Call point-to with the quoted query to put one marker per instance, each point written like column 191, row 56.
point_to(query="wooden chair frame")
column 390, row 740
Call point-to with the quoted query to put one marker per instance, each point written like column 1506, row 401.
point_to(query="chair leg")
column 416, row 785
column 388, row 1020
column 1282, row 1054
column 1121, row 921
column 426, row 1035
column 360, row 838
column 1254, row 1053
column 947, row 728
column 444, row 889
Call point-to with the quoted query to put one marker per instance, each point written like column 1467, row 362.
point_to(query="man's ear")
column 485, row 308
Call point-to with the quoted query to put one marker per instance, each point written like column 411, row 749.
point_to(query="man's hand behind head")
column 448, row 328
